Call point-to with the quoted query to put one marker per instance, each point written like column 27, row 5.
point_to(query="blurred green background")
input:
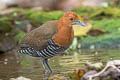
column 16, row 19
column 97, row 40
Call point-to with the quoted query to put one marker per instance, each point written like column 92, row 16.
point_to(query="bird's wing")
column 38, row 38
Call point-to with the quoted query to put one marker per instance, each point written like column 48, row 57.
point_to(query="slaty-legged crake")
column 50, row 39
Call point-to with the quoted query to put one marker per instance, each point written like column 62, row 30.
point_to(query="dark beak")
column 79, row 23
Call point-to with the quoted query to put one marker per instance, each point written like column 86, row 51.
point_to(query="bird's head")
column 71, row 19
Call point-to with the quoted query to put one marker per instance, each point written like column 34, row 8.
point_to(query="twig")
column 111, row 64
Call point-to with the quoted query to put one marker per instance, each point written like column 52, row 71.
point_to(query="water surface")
column 30, row 67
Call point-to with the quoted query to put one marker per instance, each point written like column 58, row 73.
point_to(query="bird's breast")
column 64, row 37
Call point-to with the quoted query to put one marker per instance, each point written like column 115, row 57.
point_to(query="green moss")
column 98, row 13
column 103, row 18
column 42, row 16
column 84, row 11
column 19, row 36
column 32, row 15
column 109, row 25
column 108, row 40
column 114, row 12
column 5, row 25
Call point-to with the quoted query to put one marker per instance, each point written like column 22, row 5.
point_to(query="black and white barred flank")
column 51, row 50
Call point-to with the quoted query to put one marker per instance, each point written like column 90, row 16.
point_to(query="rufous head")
column 70, row 19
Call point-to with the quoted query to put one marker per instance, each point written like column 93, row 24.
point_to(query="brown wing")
column 38, row 38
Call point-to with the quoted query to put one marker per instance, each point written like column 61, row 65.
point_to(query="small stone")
column 96, row 53
column 92, row 47
column 6, row 60
column 20, row 78
column 111, row 58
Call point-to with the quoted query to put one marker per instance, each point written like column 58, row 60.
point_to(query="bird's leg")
column 50, row 69
column 42, row 61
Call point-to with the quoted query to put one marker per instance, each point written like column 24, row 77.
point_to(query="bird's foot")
column 46, row 73
column 51, row 72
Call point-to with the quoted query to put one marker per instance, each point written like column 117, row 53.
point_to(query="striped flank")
column 51, row 50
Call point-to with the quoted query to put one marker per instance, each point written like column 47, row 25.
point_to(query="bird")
column 50, row 39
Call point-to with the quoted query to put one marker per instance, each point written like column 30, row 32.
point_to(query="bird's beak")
column 78, row 22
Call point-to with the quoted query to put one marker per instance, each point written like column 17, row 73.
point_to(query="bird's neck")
column 64, row 36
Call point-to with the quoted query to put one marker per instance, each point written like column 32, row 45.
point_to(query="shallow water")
column 30, row 67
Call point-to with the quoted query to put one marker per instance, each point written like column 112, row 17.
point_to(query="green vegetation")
column 19, row 36
column 8, row 22
column 42, row 17
column 37, row 16
column 106, row 19
column 98, row 13
column 108, row 40
column 5, row 24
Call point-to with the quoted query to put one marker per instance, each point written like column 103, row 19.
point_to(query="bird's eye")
column 71, row 18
